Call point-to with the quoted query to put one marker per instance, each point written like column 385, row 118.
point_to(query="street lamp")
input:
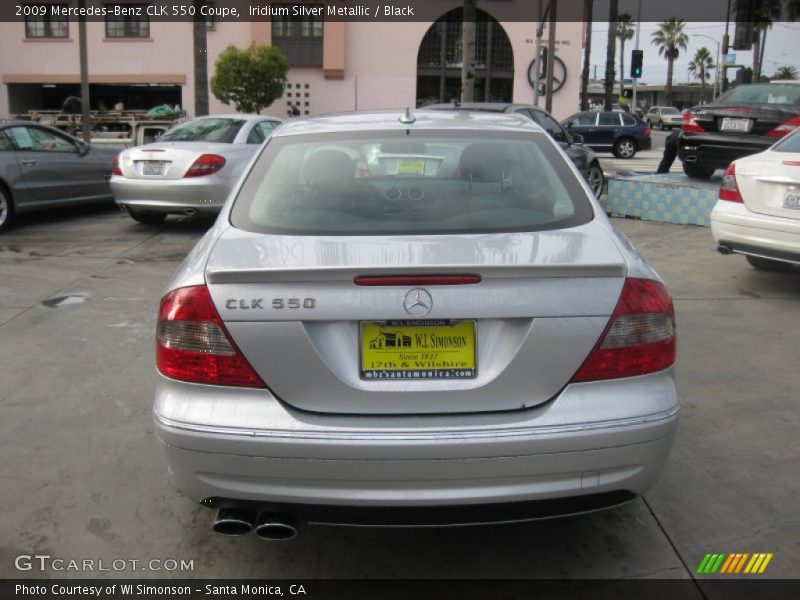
column 716, row 71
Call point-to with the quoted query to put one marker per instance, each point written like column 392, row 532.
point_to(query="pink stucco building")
column 336, row 65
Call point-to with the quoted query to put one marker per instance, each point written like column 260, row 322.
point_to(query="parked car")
column 190, row 169
column 463, row 337
column 42, row 167
column 665, row 117
column 608, row 131
column 584, row 158
column 758, row 211
column 746, row 120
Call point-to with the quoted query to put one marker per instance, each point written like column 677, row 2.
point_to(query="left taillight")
column 729, row 190
column 689, row 124
column 193, row 345
column 784, row 128
column 206, row 164
column 639, row 338
column 115, row 168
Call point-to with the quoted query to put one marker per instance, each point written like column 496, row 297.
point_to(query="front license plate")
column 418, row 349
column 410, row 166
column 741, row 125
column 791, row 199
column 153, row 167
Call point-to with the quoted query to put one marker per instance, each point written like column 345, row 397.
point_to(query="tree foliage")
column 700, row 66
column 251, row 79
column 787, row 72
column 670, row 39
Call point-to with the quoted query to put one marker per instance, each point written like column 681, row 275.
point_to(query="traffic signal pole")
column 634, row 106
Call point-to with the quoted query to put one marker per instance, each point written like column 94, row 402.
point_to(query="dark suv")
column 746, row 120
column 582, row 156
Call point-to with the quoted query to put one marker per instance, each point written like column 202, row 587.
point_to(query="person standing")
column 73, row 105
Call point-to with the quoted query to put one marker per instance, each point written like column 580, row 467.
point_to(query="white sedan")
column 758, row 211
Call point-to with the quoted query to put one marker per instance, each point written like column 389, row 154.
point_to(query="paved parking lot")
column 83, row 476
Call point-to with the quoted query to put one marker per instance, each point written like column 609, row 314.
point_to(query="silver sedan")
column 42, row 167
column 191, row 168
column 413, row 319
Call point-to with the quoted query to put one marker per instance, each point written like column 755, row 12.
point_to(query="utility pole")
column 468, row 51
column 551, row 55
column 84, row 62
column 537, row 54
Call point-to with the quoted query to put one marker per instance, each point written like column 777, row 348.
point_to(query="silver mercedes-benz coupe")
column 413, row 319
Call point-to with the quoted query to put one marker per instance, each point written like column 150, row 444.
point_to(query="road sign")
column 730, row 59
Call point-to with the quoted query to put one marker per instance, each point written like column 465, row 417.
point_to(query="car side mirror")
column 577, row 138
column 83, row 148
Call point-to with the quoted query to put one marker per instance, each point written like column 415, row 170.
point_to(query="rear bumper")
column 203, row 194
column 719, row 151
column 600, row 443
column 746, row 232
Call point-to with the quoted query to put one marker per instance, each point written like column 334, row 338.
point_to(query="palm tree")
column 670, row 39
column 625, row 31
column 766, row 11
column 785, row 73
column 200, row 49
column 699, row 67
column 613, row 12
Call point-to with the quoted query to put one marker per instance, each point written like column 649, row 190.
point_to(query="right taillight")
column 784, row 128
column 115, row 168
column 690, row 124
column 639, row 338
column 729, row 190
column 193, row 345
column 206, row 164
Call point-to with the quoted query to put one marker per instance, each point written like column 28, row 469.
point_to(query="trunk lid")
column 756, row 119
column 166, row 161
column 769, row 185
column 291, row 306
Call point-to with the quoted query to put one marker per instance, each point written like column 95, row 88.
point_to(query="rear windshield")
column 763, row 93
column 204, row 130
column 790, row 143
column 368, row 183
column 670, row 111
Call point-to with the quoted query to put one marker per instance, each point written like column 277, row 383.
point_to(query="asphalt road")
column 83, row 475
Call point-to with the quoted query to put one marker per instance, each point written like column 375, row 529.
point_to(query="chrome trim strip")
column 410, row 436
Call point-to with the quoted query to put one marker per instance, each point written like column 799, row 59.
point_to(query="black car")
column 583, row 157
column 622, row 133
column 746, row 120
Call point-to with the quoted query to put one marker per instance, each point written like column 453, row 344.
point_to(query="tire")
column 765, row 264
column 663, row 127
column 625, row 148
column 146, row 218
column 6, row 209
column 697, row 171
column 595, row 178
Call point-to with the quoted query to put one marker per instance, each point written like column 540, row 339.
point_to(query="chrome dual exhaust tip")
column 268, row 526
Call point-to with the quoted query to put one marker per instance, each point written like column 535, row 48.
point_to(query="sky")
column 782, row 49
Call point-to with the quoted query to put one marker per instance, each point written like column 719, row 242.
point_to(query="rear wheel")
column 595, row 179
column 146, row 218
column 625, row 148
column 765, row 264
column 6, row 209
column 697, row 171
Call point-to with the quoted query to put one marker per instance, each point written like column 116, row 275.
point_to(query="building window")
column 127, row 21
column 47, row 25
column 299, row 39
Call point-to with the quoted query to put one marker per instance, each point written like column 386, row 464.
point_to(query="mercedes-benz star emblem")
column 418, row 302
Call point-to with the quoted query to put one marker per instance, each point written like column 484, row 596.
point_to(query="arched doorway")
column 439, row 61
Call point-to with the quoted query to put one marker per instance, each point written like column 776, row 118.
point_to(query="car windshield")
column 763, row 93
column 670, row 111
column 427, row 182
column 204, row 130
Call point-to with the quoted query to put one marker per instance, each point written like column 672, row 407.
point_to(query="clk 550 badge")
column 242, row 304
column 277, row 303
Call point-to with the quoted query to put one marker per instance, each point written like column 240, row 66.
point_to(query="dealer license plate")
column 153, row 167
column 740, row 125
column 791, row 199
column 436, row 349
column 410, row 166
